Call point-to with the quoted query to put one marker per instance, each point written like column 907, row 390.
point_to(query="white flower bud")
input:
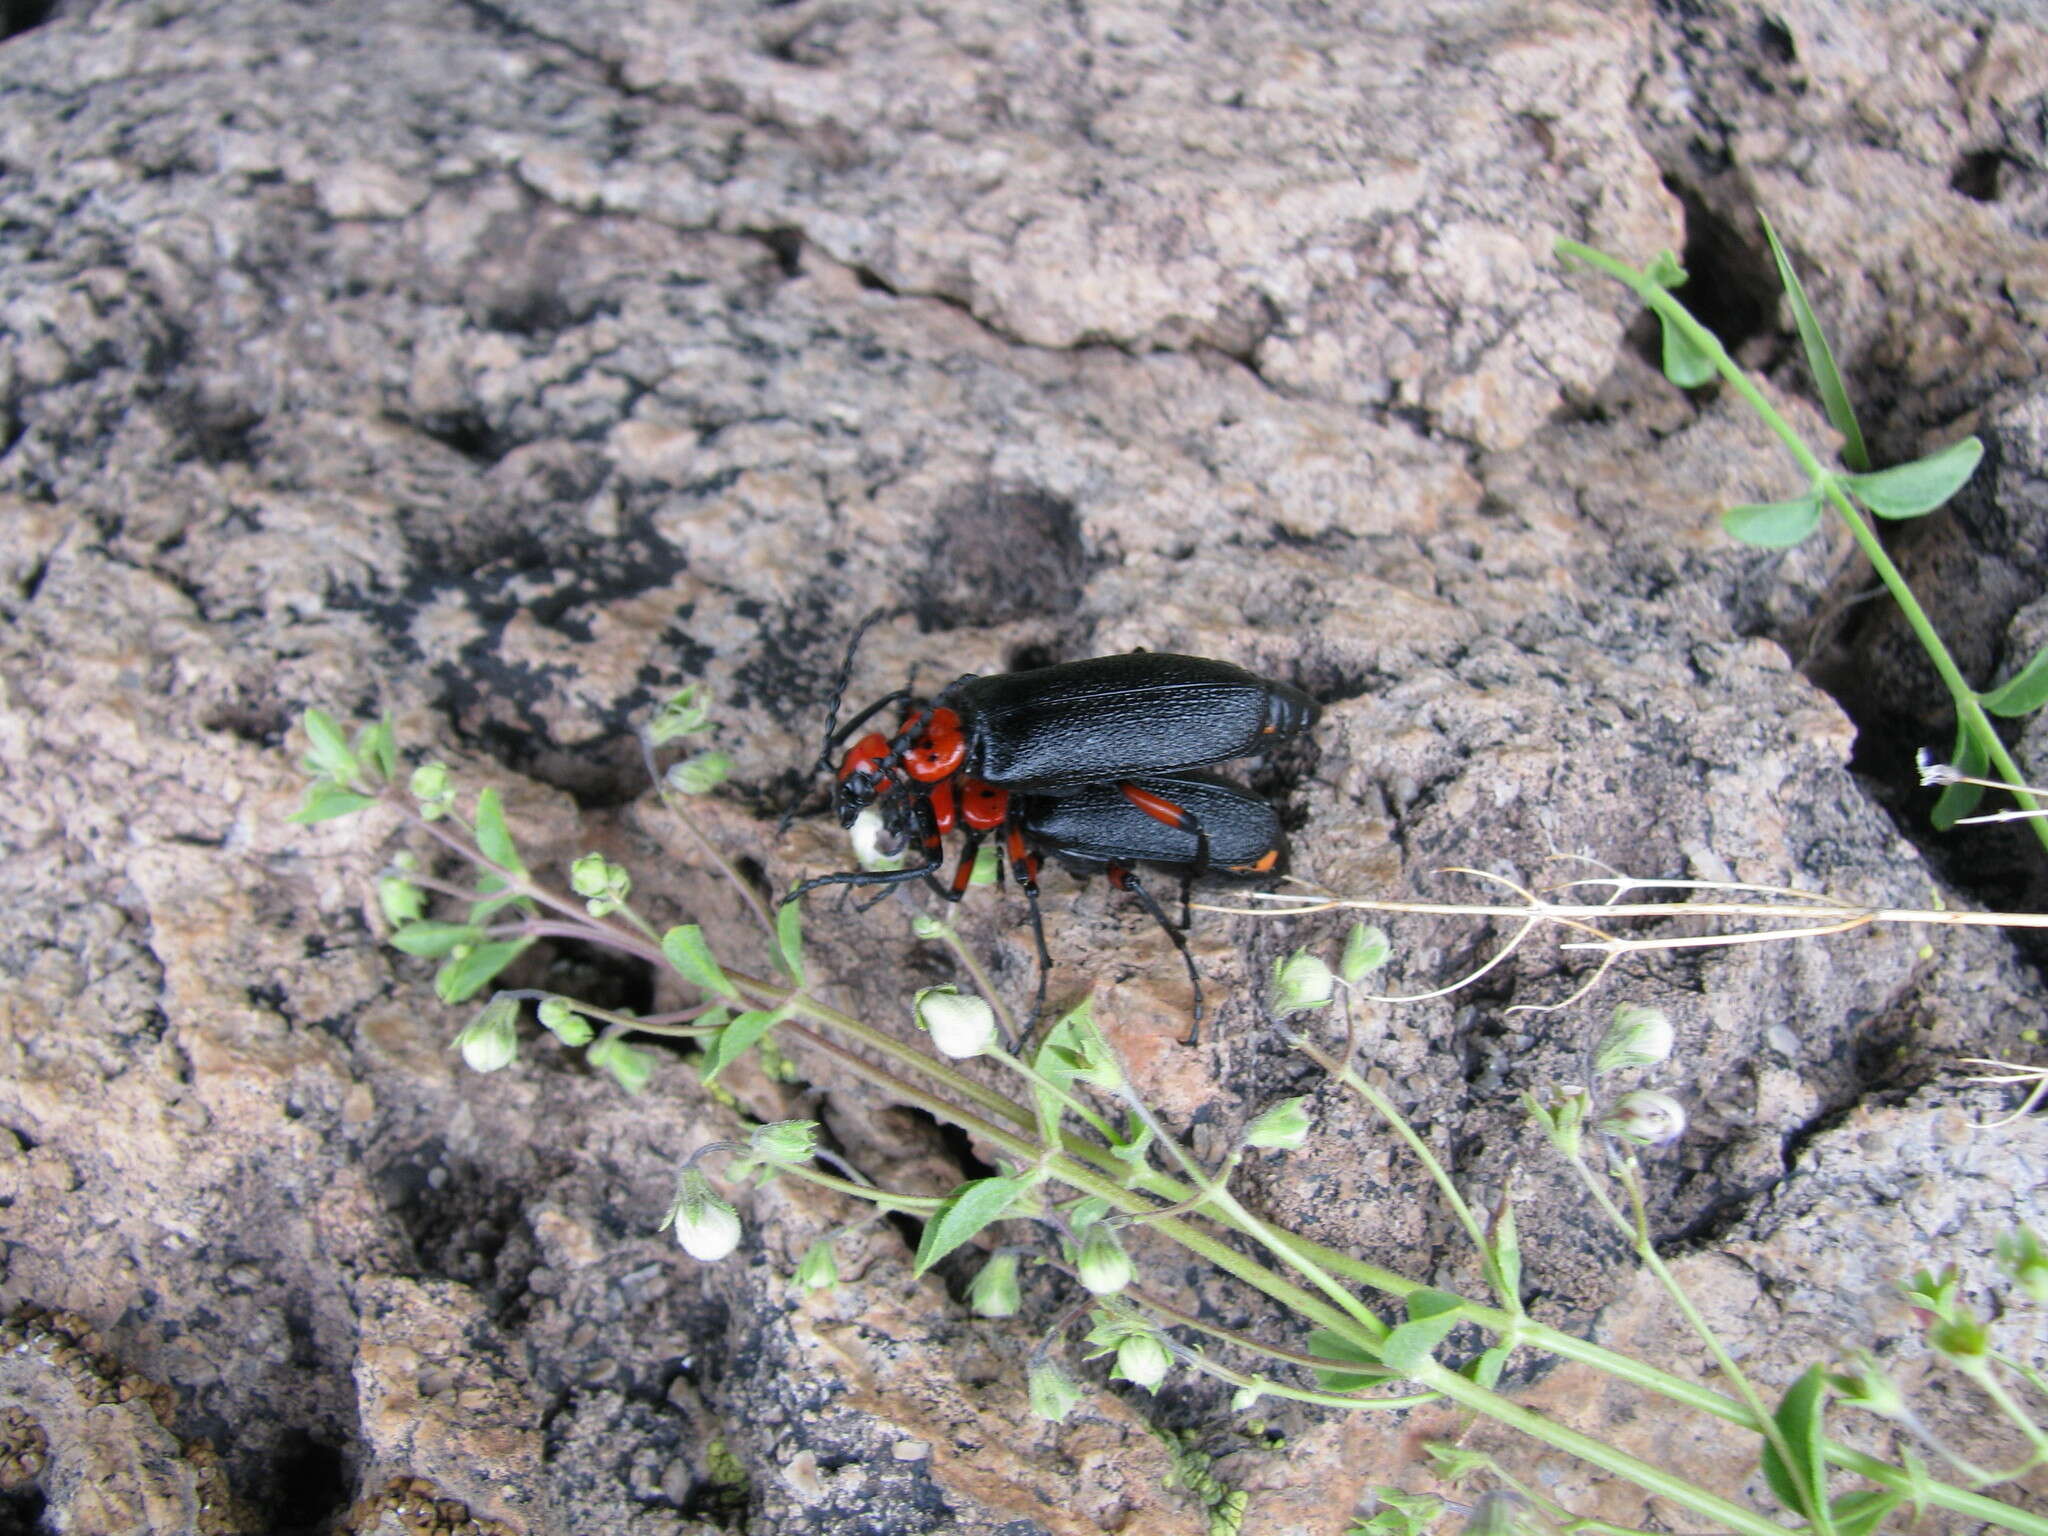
column 1142, row 1358
column 707, row 1227
column 1646, row 1118
column 960, row 1025
column 993, row 1292
column 1365, row 950
column 817, row 1270
column 491, row 1039
column 1301, row 982
column 1104, row 1267
column 875, row 846
column 1053, row 1393
column 1636, row 1037
column 1284, row 1126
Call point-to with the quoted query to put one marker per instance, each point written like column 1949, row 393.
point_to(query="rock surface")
column 499, row 367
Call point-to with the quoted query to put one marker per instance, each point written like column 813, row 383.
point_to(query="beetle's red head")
column 928, row 751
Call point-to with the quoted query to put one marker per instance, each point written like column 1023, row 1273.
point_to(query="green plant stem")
column 1968, row 709
column 916, row 1205
column 1987, row 1381
column 1146, row 1301
column 1283, row 1246
column 1653, row 1479
column 1267, row 1387
column 1088, row 1181
column 1048, row 1122
column 1638, row 1236
column 1351, row 1078
column 1340, row 1320
column 673, row 801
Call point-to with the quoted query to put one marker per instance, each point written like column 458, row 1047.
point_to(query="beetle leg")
column 1126, row 879
column 1174, row 815
column 963, row 872
column 1024, row 866
column 858, row 877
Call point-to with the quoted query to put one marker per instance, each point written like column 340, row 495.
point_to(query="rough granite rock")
column 499, row 367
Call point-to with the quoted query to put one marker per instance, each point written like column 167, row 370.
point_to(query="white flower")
column 1644, row 1117
column 707, row 1227
column 960, row 1025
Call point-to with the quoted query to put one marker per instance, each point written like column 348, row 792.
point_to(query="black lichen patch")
column 999, row 553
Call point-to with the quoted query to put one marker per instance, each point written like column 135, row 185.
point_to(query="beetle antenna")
column 824, row 762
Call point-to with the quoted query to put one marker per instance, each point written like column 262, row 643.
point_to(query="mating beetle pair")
column 1085, row 762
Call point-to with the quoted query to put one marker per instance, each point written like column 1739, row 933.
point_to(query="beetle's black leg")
column 963, row 871
column 1125, row 879
column 859, row 877
column 1175, row 815
column 1024, row 867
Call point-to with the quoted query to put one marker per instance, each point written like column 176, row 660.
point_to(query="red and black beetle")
column 1081, row 761
column 1188, row 825
column 1076, row 722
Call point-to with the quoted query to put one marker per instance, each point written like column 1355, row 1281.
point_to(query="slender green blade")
column 1958, row 800
column 789, row 940
column 431, row 941
column 1431, row 1317
column 466, row 975
column 684, row 948
column 2022, row 693
column 325, row 800
column 1325, row 1345
column 737, row 1038
column 330, row 751
column 1860, row 1513
column 967, row 1210
column 1802, row 1486
column 1827, row 378
column 493, row 837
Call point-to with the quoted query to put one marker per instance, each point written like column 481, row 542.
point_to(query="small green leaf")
column 629, row 1066
column 466, row 975
column 1401, row 1514
column 1827, row 378
column 325, row 800
column 1958, row 800
column 1666, row 271
column 493, row 838
column 330, row 755
column 400, row 900
column 737, row 1038
column 1326, row 1345
column 2022, row 693
column 789, row 941
column 1801, row 1487
column 1485, row 1368
column 1860, row 1513
column 967, row 1210
column 1431, row 1316
column 433, row 940
column 684, row 948
column 498, row 894
column 1366, row 949
column 1773, row 525
column 1504, row 1250
column 1685, row 363
column 377, row 745
column 1915, row 489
